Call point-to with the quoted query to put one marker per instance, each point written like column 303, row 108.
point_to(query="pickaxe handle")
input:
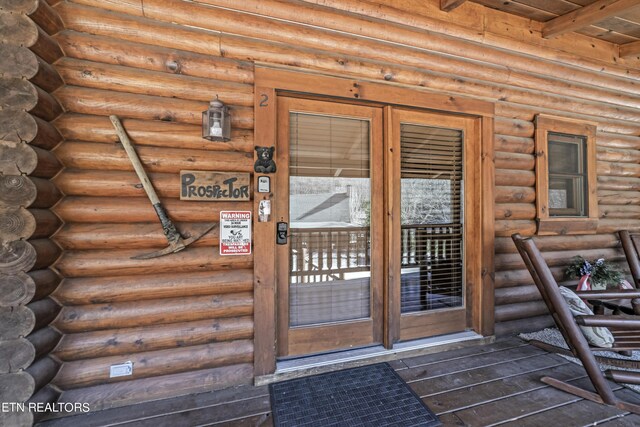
column 169, row 229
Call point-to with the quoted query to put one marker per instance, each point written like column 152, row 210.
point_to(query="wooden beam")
column 586, row 16
column 629, row 49
column 449, row 5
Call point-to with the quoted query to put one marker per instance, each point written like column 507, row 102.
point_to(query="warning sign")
column 235, row 232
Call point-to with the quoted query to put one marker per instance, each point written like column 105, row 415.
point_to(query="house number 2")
column 264, row 100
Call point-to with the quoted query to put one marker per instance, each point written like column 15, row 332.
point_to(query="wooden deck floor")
column 496, row 384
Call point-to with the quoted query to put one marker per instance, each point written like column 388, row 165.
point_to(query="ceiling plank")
column 630, row 49
column 586, row 16
column 449, row 5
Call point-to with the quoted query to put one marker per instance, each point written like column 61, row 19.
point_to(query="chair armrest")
column 609, row 294
column 616, row 322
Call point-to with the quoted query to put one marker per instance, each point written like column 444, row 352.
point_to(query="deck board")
column 495, row 384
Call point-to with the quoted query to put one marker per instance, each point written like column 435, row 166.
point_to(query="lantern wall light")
column 216, row 122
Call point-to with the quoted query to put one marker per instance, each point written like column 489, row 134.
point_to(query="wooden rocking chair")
column 624, row 330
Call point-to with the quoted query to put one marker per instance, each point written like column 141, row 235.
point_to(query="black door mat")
column 371, row 395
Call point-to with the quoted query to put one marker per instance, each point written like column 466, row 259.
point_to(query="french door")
column 375, row 203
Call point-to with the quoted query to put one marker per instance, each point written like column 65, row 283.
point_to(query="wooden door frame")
column 269, row 82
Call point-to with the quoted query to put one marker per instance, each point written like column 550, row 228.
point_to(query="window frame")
column 555, row 225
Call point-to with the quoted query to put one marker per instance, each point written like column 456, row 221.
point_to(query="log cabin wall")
column 186, row 320
column 26, row 195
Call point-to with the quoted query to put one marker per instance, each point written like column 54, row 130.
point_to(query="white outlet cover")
column 121, row 370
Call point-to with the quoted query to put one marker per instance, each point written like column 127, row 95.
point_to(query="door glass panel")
column 329, row 211
column 431, row 205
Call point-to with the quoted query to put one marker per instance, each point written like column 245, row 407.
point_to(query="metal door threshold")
column 317, row 364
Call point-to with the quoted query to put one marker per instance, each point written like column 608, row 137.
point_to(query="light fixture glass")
column 216, row 122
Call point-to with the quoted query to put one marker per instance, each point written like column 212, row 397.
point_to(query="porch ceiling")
column 615, row 21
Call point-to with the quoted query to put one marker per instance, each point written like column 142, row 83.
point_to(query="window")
column 565, row 176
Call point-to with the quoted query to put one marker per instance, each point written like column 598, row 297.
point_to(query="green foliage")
column 599, row 271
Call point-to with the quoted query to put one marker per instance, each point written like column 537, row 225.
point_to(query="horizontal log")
column 131, row 80
column 17, row 256
column 153, row 57
column 98, row 317
column 15, row 355
column 16, row 223
column 20, row 94
column 18, row 62
column 136, row 29
column 606, row 225
column 511, row 177
column 618, row 183
column 513, row 194
column 80, row 127
column 529, row 324
column 630, row 142
column 89, row 345
column 78, row 182
column 557, row 258
column 44, row 341
column 44, row 311
column 618, row 211
column 146, row 107
column 515, row 211
column 46, row 47
column 85, row 155
column 47, row 107
column 47, row 165
column 129, row 210
column 47, row 18
column 562, row 243
column 606, row 197
column 16, row 322
column 46, row 223
column 128, row 392
column 17, row 29
column 46, row 282
column 151, row 364
column 100, row 290
column 20, row 158
column 513, row 144
column 18, row 125
column 16, row 289
column 120, row 263
column 43, row 371
column 516, row 294
column 522, row 310
column 618, row 169
column 47, row 252
column 607, row 154
column 507, row 227
column 47, row 77
column 16, row 387
column 510, row 278
column 514, row 161
column 47, row 194
column 128, row 236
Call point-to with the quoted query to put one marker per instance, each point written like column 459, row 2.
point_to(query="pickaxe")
column 176, row 241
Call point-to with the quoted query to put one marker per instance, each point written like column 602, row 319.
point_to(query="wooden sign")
column 213, row 186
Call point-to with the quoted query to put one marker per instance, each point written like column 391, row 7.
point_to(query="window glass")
column 567, row 175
